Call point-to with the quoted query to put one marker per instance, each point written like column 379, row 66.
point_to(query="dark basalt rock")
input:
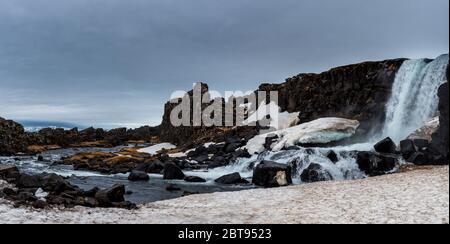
column 138, row 176
column 172, row 172
column 440, row 139
column 194, row 179
column 106, row 197
column 375, row 164
column 407, row 148
column 332, row 156
column 272, row 174
column 231, row 179
column 155, row 167
column 386, row 146
column 10, row 173
column 315, row 173
column 12, row 137
column 418, row 158
column 270, row 139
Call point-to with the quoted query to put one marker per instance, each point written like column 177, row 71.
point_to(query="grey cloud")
column 120, row 60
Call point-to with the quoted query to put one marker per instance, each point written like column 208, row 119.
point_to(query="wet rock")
column 386, row 146
column 172, row 172
column 407, row 148
column 315, row 173
column 194, row 179
column 332, row 156
column 231, row 179
column 138, row 176
column 272, row 174
column 155, row 167
column 418, row 158
column 374, row 164
column 111, row 195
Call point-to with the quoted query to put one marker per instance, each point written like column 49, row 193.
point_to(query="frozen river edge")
column 420, row 195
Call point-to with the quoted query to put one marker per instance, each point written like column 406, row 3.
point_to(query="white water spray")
column 414, row 96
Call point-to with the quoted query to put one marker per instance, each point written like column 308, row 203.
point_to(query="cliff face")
column 358, row 91
column 440, row 141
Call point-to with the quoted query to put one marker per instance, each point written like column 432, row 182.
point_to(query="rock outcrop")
column 358, row 91
column 11, row 137
column 14, row 139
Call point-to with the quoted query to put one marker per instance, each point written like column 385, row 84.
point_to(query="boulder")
column 386, row 146
column 55, row 183
column 138, row 176
column 418, row 158
column 9, row 173
column 231, row 179
column 155, row 167
column 106, row 197
column 332, row 156
column 374, row 164
column 172, row 172
column 407, row 148
column 315, row 173
column 28, row 181
column 194, row 179
column 272, row 174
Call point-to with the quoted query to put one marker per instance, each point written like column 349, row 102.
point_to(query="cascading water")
column 414, row 96
column 413, row 101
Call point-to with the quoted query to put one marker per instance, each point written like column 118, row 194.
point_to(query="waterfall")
column 414, row 96
column 413, row 101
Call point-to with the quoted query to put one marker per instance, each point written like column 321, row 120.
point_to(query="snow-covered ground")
column 418, row 196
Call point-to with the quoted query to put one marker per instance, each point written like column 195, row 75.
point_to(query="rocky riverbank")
column 15, row 140
column 420, row 195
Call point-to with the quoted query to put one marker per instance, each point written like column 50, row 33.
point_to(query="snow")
column 278, row 121
column 417, row 196
column 41, row 194
column 156, row 148
column 322, row 130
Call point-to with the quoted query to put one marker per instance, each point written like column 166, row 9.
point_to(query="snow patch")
column 156, row 148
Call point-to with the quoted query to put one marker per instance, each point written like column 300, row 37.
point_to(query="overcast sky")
column 116, row 62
